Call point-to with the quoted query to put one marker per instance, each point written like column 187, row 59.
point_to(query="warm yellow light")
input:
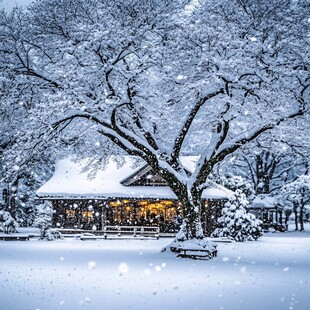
column 125, row 201
column 167, row 202
column 70, row 213
column 115, row 203
column 143, row 203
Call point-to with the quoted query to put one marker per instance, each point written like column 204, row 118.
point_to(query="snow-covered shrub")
column 7, row 222
column 43, row 220
column 236, row 223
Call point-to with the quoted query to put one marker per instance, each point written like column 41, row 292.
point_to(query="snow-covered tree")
column 233, row 181
column 268, row 170
column 158, row 79
column 257, row 169
column 23, row 168
column 25, row 182
column 7, row 222
column 236, row 223
column 21, row 182
column 43, row 220
column 296, row 196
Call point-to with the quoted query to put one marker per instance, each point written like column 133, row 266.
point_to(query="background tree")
column 23, row 167
column 296, row 196
column 159, row 79
column 258, row 170
column 265, row 170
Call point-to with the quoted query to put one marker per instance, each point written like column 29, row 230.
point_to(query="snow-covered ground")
column 272, row 273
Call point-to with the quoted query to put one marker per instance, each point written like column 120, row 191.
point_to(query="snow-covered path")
column 272, row 273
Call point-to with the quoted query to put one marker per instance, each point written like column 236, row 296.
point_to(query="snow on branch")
column 229, row 147
column 189, row 120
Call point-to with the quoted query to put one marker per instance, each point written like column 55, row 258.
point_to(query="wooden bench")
column 112, row 231
column 72, row 231
column 14, row 237
column 135, row 231
column 275, row 226
column 194, row 253
column 89, row 236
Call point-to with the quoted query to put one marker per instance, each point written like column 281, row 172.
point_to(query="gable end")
column 144, row 177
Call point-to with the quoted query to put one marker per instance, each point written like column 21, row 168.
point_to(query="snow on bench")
column 221, row 240
column 194, row 253
column 14, row 237
column 195, row 249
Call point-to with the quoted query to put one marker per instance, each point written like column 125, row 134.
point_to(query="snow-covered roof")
column 264, row 201
column 71, row 181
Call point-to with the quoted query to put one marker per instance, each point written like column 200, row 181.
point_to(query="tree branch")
column 189, row 120
column 228, row 148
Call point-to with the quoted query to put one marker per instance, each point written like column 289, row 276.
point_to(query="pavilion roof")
column 71, row 181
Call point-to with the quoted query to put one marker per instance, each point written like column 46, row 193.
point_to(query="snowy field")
column 272, row 273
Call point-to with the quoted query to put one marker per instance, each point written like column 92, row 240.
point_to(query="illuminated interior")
column 70, row 213
column 163, row 213
column 144, row 212
column 86, row 216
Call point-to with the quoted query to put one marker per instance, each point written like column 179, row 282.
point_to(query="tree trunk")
column 287, row 216
column 301, row 212
column 296, row 216
column 301, row 218
column 191, row 227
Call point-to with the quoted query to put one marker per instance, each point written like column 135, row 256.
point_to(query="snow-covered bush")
column 236, row 223
column 7, row 222
column 43, row 220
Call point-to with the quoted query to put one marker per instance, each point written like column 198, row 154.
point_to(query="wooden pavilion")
column 126, row 193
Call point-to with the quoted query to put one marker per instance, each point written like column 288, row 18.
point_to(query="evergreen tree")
column 236, row 223
column 43, row 220
column 7, row 222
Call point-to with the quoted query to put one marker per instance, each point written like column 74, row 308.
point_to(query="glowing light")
column 115, row 203
column 91, row 265
column 123, row 268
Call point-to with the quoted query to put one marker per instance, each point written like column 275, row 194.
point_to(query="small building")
column 126, row 193
column 267, row 209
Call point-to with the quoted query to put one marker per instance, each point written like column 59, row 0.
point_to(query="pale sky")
column 9, row 4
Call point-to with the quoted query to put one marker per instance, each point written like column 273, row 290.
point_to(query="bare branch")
column 189, row 120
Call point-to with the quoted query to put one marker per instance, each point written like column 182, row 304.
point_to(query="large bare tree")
column 159, row 79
